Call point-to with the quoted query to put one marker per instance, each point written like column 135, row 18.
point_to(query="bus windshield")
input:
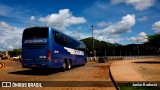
column 35, row 33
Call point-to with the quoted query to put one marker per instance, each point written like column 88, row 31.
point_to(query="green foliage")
column 153, row 43
column 152, row 47
column 154, row 40
column 100, row 47
column 15, row 52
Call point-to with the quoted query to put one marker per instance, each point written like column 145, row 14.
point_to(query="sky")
column 115, row 21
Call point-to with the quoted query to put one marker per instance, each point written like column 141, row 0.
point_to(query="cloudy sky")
column 115, row 21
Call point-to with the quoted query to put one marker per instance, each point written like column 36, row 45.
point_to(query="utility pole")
column 93, row 41
column 105, row 53
column 137, row 48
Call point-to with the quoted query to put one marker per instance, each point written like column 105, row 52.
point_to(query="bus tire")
column 84, row 62
column 23, row 66
column 69, row 65
column 64, row 67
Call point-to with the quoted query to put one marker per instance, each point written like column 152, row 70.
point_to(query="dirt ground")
column 92, row 76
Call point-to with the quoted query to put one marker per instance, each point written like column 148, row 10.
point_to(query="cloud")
column 120, row 27
column 113, row 32
column 143, row 19
column 9, row 39
column 103, row 24
column 156, row 27
column 79, row 27
column 141, row 37
column 117, row 1
column 32, row 18
column 63, row 18
column 77, row 34
column 4, row 25
column 11, row 43
column 108, row 38
column 138, row 4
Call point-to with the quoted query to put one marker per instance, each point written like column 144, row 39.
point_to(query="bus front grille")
column 35, row 46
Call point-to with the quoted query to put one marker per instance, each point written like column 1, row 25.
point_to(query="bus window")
column 59, row 39
column 67, row 42
column 36, row 33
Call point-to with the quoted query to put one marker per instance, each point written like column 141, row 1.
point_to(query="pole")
column 93, row 42
column 137, row 48
column 105, row 53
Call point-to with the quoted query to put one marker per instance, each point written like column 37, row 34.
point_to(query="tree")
column 15, row 52
column 153, row 43
column 100, row 47
column 151, row 47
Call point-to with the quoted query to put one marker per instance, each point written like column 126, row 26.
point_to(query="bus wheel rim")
column 69, row 65
column 64, row 65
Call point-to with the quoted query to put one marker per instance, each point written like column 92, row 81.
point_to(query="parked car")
column 2, row 57
column 102, row 60
column 16, row 58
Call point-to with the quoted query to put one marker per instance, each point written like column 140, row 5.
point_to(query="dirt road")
column 92, row 76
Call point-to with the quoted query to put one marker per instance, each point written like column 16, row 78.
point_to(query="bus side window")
column 67, row 42
column 82, row 47
column 59, row 38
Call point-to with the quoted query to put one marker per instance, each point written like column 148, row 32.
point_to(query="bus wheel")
column 84, row 62
column 69, row 65
column 64, row 67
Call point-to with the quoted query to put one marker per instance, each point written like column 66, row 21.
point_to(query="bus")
column 46, row 47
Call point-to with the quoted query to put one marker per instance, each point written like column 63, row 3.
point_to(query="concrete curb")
column 112, row 79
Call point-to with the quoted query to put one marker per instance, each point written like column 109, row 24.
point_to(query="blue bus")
column 46, row 47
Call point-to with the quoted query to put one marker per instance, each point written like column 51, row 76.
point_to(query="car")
column 16, row 58
column 2, row 57
column 102, row 60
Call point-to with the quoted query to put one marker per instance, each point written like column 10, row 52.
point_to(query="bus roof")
column 56, row 31
column 65, row 34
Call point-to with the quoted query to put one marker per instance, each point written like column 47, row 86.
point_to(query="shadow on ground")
column 39, row 72
column 148, row 62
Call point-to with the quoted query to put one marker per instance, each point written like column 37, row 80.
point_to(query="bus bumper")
column 42, row 65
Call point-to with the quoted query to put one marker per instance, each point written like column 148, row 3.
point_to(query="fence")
column 119, row 57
